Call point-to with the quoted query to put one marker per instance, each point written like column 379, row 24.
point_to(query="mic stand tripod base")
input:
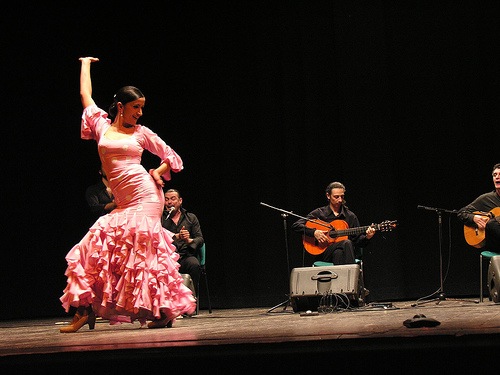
column 285, row 303
column 438, row 299
column 441, row 297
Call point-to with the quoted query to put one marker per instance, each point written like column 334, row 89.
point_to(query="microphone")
column 170, row 210
column 437, row 209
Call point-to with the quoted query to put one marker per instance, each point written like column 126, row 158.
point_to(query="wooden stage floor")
column 269, row 340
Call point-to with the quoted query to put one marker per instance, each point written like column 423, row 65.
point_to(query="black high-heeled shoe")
column 84, row 315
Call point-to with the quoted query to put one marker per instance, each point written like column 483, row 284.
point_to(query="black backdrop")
column 267, row 102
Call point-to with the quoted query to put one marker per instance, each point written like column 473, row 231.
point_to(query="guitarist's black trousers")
column 338, row 253
column 492, row 235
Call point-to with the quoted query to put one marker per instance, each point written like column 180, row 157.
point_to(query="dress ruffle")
column 126, row 267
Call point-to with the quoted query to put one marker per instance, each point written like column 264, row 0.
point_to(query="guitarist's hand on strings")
column 322, row 237
column 481, row 221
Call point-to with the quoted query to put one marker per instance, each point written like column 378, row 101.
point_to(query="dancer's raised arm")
column 86, row 82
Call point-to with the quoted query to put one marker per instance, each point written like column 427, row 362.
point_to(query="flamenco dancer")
column 125, row 268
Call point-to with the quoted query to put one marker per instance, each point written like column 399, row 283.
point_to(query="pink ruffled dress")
column 126, row 266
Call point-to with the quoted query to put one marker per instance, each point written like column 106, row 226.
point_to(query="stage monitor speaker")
column 311, row 287
column 494, row 278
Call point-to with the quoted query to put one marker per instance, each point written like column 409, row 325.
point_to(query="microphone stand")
column 284, row 215
column 441, row 294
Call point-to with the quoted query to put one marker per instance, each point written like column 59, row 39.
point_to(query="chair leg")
column 208, row 294
column 198, row 298
column 198, row 295
column 481, row 277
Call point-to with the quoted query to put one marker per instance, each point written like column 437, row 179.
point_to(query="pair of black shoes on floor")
column 420, row 320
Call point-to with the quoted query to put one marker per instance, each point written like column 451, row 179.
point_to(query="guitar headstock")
column 387, row 225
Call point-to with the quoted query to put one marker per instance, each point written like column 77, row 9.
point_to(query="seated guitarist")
column 483, row 215
column 339, row 250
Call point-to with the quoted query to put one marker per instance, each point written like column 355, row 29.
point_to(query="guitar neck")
column 349, row 231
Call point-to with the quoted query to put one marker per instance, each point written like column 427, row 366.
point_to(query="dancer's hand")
column 156, row 176
column 89, row 59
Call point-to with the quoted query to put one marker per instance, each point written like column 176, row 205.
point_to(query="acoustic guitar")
column 476, row 236
column 338, row 230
